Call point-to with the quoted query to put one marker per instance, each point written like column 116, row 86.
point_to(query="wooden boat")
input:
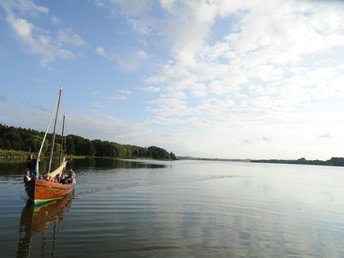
column 40, row 191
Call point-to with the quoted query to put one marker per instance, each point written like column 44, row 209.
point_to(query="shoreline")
column 22, row 155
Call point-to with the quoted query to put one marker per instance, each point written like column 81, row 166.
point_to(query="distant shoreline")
column 334, row 161
column 22, row 155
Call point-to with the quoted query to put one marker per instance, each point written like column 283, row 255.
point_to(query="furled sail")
column 59, row 170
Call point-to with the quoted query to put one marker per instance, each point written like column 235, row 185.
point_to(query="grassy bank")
column 12, row 154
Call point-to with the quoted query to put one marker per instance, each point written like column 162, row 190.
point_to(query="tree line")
column 21, row 139
column 331, row 162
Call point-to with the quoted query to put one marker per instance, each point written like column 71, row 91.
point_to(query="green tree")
column 90, row 149
column 70, row 145
column 172, row 156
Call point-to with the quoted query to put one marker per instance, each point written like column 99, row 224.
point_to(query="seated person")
column 71, row 180
column 27, row 176
column 50, row 179
column 57, row 179
column 45, row 176
column 64, row 179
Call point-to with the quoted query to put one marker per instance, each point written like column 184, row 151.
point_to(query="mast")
column 45, row 136
column 63, row 124
column 54, row 133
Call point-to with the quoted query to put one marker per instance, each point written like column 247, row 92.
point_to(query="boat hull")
column 40, row 191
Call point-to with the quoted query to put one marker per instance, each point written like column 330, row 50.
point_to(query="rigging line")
column 54, row 131
column 45, row 136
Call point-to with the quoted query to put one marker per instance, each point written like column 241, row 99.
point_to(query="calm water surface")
column 181, row 208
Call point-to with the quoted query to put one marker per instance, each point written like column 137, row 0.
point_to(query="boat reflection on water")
column 37, row 219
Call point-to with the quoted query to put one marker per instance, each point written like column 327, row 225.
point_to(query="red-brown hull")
column 40, row 191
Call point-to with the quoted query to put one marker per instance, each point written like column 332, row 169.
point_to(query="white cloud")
column 277, row 63
column 124, row 92
column 134, row 11
column 40, row 80
column 258, row 62
column 130, row 8
column 101, row 51
column 150, row 89
column 118, row 97
column 55, row 20
column 132, row 60
column 35, row 40
column 23, row 7
column 95, row 93
column 68, row 36
column 122, row 95
column 129, row 60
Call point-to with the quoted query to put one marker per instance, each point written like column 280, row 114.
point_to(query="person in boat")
column 50, row 179
column 72, row 180
column 64, row 179
column 31, row 165
column 27, row 177
column 57, row 179
column 45, row 177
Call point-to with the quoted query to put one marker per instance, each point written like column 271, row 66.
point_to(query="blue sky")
column 230, row 79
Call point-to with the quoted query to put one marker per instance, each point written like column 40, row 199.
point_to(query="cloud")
column 118, row 97
column 150, row 89
column 134, row 11
column 124, row 92
column 261, row 70
column 324, row 136
column 123, row 95
column 95, row 93
column 266, row 139
column 188, row 25
column 35, row 40
column 101, row 51
column 129, row 60
column 40, row 80
column 23, row 7
column 55, row 20
column 69, row 37
column 97, row 106
column 38, row 44
column 248, row 66
column 3, row 98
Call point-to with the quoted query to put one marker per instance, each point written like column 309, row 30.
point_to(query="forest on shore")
column 21, row 139
column 334, row 161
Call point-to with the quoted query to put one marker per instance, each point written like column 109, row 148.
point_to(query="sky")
column 218, row 79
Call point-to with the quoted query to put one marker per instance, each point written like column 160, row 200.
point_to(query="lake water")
column 179, row 208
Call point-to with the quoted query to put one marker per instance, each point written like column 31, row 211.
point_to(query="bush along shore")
column 16, row 142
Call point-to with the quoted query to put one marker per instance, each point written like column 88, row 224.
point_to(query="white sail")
column 59, row 170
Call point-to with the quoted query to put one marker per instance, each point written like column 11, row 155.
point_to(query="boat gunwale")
column 48, row 184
